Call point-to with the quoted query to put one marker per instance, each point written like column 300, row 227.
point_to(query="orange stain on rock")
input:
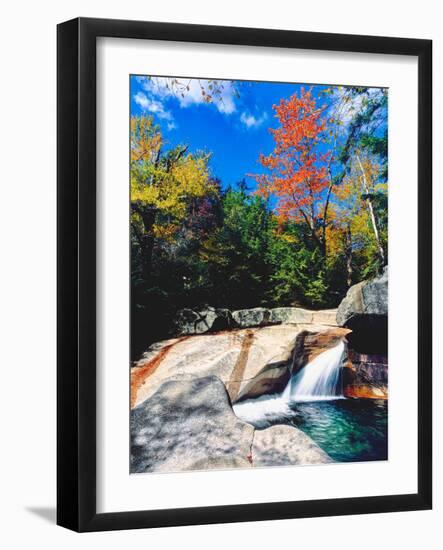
column 140, row 374
column 365, row 392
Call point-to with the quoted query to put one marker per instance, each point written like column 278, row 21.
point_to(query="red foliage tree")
column 298, row 172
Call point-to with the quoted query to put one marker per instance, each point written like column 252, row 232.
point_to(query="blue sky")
column 235, row 130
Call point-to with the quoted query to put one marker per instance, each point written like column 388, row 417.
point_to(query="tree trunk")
column 325, row 211
column 319, row 239
column 348, row 254
column 372, row 215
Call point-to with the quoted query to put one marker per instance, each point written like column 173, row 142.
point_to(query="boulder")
column 188, row 425
column 365, row 298
column 255, row 317
column 290, row 315
column 364, row 310
column 210, row 319
column 284, row 446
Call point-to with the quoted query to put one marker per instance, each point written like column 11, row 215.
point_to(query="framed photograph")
column 244, row 274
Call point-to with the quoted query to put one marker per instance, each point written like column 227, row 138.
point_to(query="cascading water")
column 319, row 380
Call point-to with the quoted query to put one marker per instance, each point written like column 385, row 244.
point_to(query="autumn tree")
column 351, row 240
column 162, row 186
column 299, row 173
column 318, row 224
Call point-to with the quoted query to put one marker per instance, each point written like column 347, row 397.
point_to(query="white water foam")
column 317, row 381
column 264, row 411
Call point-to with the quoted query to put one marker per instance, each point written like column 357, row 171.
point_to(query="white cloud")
column 251, row 121
column 152, row 105
column 171, row 126
column 192, row 91
column 344, row 106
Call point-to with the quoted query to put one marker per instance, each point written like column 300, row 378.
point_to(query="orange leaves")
column 300, row 120
column 297, row 167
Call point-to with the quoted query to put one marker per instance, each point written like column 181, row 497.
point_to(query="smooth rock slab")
column 236, row 357
column 325, row 317
column 284, row 446
column 188, row 425
column 222, row 354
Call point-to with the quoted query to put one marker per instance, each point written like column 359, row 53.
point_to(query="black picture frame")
column 76, row 296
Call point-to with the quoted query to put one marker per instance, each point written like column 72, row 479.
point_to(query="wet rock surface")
column 366, row 377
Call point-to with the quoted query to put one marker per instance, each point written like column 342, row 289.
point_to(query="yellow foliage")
column 287, row 237
column 165, row 232
column 146, row 139
column 166, row 183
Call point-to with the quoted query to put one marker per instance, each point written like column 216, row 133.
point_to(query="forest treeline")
column 313, row 222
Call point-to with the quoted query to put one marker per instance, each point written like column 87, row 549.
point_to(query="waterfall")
column 317, row 381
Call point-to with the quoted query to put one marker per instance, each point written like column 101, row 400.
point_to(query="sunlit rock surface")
column 235, row 356
column 190, row 425
column 283, row 445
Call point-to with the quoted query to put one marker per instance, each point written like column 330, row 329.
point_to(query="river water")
column 349, row 430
